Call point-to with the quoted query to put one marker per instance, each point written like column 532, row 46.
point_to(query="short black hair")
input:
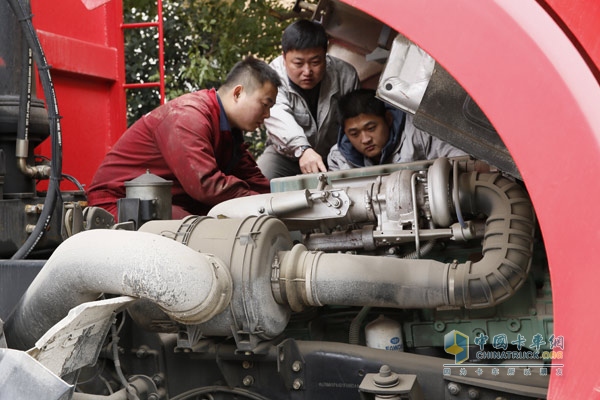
column 304, row 34
column 359, row 101
column 252, row 73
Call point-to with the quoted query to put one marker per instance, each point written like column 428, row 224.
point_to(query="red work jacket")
column 188, row 141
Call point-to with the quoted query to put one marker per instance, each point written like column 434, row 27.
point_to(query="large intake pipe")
column 315, row 278
column 190, row 287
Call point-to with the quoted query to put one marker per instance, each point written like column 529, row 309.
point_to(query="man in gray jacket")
column 373, row 134
column 304, row 123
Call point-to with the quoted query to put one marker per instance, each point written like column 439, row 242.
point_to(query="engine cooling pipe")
column 190, row 287
column 310, row 278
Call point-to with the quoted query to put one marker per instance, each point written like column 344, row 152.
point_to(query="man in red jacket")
column 196, row 141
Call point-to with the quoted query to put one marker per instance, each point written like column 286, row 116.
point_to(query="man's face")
column 252, row 108
column 368, row 134
column 306, row 68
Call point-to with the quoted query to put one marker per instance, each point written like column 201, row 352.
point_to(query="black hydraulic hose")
column 74, row 181
column 24, row 17
column 25, row 95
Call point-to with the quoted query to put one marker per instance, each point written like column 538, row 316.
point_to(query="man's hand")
column 311, row 162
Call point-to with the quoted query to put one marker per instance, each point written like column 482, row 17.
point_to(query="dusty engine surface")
column 348, row 290
column 376, row 283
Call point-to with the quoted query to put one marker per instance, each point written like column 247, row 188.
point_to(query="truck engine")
column 421, row 280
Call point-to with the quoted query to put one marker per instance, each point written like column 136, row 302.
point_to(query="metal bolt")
column 473, row 393
column 454, row 388
column 386, row 377
column 248, row 380
column 439, row 326
column 246, row 364
column 296, row 366
column 141, row 353
column 153, row 396
column 297, row 385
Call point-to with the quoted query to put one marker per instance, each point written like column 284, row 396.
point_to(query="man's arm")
column 285, row 132
column 185, row 139
column 336, row 160
column 247, row 170
column 311, row 162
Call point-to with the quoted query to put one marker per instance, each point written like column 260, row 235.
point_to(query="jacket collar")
column 394, row 142
column 223, row 121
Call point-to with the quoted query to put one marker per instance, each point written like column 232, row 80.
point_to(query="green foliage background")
column 203, row 40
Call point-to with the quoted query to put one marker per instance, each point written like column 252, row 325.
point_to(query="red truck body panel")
column 542, row 95
column 531, row 66
column 85, row 50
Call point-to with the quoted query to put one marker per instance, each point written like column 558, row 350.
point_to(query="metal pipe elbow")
column 507, row 244
column 189, row 286
column 36, row 172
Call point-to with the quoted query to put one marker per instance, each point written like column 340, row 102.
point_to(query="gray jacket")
column 406, row 143
column 291, row 125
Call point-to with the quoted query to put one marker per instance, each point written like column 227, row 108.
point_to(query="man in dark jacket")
column 373, row 134
column 196, row 141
